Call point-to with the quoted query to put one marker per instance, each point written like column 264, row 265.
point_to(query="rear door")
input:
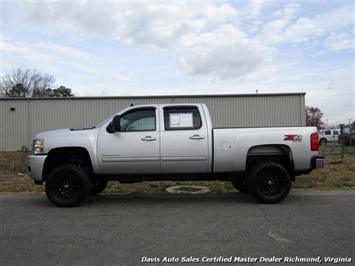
column 184, row 140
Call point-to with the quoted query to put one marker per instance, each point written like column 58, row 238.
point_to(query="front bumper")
column 317, row 162
column 35, row 165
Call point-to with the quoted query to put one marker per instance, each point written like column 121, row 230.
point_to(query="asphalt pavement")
column 209, row 229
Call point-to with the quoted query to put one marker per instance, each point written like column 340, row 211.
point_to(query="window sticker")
column 181, row 120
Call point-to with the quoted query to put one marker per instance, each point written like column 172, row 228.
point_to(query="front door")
column 133, row 150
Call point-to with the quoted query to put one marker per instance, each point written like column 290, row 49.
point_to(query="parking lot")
column 178, row 229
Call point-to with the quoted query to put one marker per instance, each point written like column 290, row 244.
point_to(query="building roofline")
column 151, row 96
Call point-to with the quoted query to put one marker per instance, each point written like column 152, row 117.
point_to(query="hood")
column 61, row 132
column 52, row 133
column 68, row 138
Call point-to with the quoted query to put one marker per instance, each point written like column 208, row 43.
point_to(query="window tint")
column 138, row 120
column 182, row 118
column 327, row 132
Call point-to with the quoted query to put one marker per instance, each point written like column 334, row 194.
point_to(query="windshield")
column 108, row 119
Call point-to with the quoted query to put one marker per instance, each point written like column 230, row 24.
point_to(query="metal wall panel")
column 33, row 115
column 14, row 125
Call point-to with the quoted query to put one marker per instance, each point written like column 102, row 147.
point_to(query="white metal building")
column 22, row 118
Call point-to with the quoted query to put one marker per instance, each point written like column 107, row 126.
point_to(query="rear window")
column 187, row 118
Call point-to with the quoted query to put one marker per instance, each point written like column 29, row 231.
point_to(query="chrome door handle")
column 148, row 138
column 197, row 137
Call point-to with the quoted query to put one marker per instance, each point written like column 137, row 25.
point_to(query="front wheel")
column 269, row 182
column 67, row 185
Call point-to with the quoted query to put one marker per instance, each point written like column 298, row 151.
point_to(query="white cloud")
column 288, row 26
column 162, row 25
column 53, row 58
column 224, row 62
column 198, row 33
column 130, row 48
column 256, row 7
column 340, row 41
column 225, row 53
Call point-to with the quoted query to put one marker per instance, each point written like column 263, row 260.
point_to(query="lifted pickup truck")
column 171, row 142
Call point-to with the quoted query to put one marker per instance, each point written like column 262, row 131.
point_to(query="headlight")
column 38, row 146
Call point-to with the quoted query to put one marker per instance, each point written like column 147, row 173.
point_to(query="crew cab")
column 171, row 142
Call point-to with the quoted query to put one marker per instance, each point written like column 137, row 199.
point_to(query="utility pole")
column 350, row 136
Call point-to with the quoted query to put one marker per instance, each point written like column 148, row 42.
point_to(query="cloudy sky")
column 115, row 48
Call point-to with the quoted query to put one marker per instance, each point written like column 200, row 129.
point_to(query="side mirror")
column 114, row 125
column 109, row 128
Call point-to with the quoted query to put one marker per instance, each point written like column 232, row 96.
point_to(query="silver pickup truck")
column 171, row 142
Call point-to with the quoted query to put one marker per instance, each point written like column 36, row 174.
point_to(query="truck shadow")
column 174, row 199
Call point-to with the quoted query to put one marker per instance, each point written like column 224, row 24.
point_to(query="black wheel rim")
column 270, row 182
column 67, row 186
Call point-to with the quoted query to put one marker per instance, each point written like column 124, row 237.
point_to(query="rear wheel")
column 269, row 182
column 67, row 186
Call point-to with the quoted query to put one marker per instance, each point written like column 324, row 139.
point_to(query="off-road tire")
column 67, row 185
column 269, row 182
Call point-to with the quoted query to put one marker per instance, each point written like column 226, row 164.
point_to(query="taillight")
column 314, row 142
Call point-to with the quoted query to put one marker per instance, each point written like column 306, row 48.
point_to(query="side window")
column 327, row 132
column 187, row 118
column 138, row 120
column 336, row 133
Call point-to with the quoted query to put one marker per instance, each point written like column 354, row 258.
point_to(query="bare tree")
column 26, row 83
column 314, row 117
column 43, row 87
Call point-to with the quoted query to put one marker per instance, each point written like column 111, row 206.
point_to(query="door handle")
column 148, row 138
column 197, row 137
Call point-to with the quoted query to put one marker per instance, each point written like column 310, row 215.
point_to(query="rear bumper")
column 317, row 162
column 35, row 165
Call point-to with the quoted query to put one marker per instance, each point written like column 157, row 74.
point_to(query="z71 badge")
column 294, row 138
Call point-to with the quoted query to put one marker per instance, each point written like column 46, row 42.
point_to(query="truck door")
column 184, row 140
column 133, row 150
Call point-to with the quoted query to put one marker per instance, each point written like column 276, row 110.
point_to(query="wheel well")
column 281, row 154
column 323, row 139
column 60, row 156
